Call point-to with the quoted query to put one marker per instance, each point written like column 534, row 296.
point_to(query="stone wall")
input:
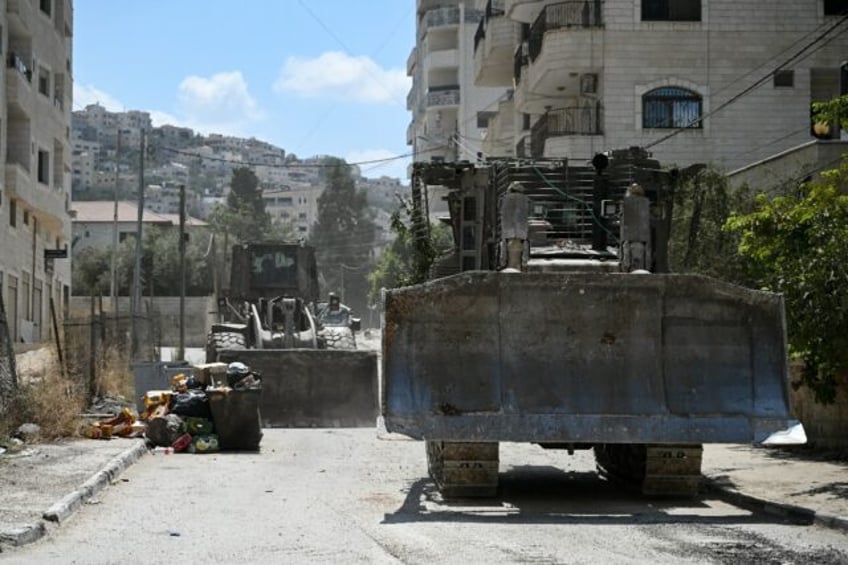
column 165, row 310
column 826, row 425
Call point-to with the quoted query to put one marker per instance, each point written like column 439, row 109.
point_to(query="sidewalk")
column 45, row 483
column 789, row 482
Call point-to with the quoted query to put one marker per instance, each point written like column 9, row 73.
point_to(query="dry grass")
column 55, row 401
column 45, row 397
column 114, row 377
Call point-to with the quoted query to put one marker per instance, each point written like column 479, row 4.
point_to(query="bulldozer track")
column 655, row 470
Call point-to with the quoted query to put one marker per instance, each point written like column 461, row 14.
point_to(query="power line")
column 296, row 165
column 750, row 88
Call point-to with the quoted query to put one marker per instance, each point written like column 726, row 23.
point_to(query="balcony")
column 521, row 10
column 439, row 17
column 411, row 97
column 579, row 14
column 500, row 135
column 49, row 205
column 440, row 96
column 563, row 50
column 442, row 59
column 18, row 16
column 582, row 121
column 411, row 61
column 18, row 90
column 494, row 46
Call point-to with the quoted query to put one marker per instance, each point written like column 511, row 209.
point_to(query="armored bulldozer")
column 312, row 374
column 554, row 320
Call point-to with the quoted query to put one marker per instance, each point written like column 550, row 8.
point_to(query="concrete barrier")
column 314, row 388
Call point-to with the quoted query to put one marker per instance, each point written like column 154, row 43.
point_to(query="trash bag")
column 165, row 430
column 198, row 426
column 192, row 402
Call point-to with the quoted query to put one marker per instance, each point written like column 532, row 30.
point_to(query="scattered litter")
column 174, row 533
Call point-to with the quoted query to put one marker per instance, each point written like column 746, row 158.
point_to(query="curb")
column 73, row 501
column 791, row 512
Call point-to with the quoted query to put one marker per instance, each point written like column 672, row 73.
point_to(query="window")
column 46, row 6
column 671, row 10
column 43, row 81
column 43, row 167
column 26, row 217
column 835, row 7
column 784, row 79
column 13, row 212
column 671, row 107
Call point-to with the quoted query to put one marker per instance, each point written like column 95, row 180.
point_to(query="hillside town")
column 599, row 318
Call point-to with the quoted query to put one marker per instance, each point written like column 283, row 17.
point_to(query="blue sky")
column 311, row 76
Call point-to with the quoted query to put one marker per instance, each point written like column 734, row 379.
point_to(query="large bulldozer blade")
column 313, row 388
column 584, row 358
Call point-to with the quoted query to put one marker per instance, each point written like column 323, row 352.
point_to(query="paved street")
column 342, row 496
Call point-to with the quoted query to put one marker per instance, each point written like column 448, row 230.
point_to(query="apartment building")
column 296, row 204
column 709, row 81
column 449, row 110
column 35, row 140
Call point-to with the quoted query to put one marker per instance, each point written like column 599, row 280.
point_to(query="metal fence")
column 89, row 339
column 8, row 373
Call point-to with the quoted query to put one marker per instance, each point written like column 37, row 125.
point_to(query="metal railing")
column 16, row 62
column 443, row 96
column 586, row 120
column 519, row 61
column 494, row 9
column 574, row 14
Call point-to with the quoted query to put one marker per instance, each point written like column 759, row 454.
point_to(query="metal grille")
column 8, row 372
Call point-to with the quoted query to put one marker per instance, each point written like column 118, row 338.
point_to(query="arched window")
column 671, row 107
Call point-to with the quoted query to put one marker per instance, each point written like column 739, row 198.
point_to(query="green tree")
column 244, row 217
column 796, row 245
column 698, row 242
column 407, row 260
column 92, row 267
column 343, row 235
column 832, row 111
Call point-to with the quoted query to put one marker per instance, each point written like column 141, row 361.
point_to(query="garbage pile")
column 214, row 407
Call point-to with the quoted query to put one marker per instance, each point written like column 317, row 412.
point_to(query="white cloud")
column 221, row 103
column 338, row 75
column 85, row 94
column 396, row 167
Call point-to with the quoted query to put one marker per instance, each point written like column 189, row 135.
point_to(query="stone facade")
column 605, row 57
column 35, row 118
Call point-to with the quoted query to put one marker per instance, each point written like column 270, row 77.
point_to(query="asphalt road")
column 343, row 496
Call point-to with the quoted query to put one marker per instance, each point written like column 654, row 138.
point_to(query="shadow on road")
column 547, row 495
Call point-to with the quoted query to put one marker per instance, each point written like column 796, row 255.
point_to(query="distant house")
column 93, row 224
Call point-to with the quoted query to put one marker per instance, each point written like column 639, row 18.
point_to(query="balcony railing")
column 565, row 121
column 519, row 61
column 574, row 14
column 443, row 95
column 16, row 62
column 521, row 148
column 494, row 9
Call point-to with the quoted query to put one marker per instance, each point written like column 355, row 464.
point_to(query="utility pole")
column 135, row 303
column 113, row 286
column 181, row 351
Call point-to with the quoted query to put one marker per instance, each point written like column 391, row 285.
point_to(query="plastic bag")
column 192, row 402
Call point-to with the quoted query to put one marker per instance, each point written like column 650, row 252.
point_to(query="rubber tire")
column 219, row 341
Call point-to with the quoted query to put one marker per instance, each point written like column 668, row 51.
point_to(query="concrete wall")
column 826, row 425
column 166, row 310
